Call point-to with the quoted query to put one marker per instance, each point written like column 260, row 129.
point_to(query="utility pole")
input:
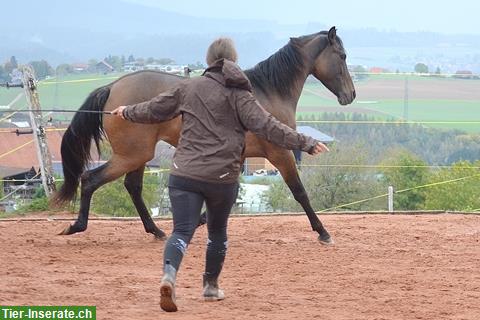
column 186, row 72
column 39, row 133
column 405, row 100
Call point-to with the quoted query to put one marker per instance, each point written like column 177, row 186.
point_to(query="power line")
column 395, row 122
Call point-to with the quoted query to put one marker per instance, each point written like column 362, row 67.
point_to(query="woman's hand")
column 319, row 148
column 119, row 112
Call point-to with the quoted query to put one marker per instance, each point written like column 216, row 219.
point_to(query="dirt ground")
column 381, row 267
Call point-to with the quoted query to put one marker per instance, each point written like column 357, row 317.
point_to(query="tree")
column 196, row 66
column 113, row 198
column 438, row 71
column 421, row 68
column 92, row 65
column 165, row 61
column 13, row 62
column 42, row 69
column 410, row 173
column 330, row 186
column 64, row 69
column 461, row 195
column 3, row 74
column 8, row 67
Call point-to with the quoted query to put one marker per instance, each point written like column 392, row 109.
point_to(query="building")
column 464, row 74
column 314, row 133
column 168, row 68
column 261, row 166
column 378, row 70
column 79, row 67
column 163, row 155
column 12, row 177
column 19, row 161
column 104, row 67
column 133, row 66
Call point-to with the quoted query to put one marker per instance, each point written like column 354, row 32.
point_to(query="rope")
column 77, row 81
column 386, row 122
column 19, row 130
column 352, row 203
column 63, row 111
column 10, row 115
column 8, row 195
column 443, row 75
column 438, row 183
column 31, row 180
column 400, row 191
column 15, row 149
column 367, row 166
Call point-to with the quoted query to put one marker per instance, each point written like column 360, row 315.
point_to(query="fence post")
column 390, row 199
column 39, row 133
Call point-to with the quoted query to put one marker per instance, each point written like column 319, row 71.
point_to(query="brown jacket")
column 217, row 109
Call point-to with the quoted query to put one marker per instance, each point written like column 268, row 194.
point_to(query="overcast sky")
column 458, row 16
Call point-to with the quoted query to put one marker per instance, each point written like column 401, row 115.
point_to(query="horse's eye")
column 343, row 56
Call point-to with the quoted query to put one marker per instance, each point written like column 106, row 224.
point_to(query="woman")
column 217, row 109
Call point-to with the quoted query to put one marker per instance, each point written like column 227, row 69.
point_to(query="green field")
column 383, row 96
column 64, row 93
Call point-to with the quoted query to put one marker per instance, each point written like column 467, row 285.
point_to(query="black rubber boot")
column 167, row 288
column 211, row 292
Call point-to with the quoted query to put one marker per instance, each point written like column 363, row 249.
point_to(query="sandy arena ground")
column 381, row 267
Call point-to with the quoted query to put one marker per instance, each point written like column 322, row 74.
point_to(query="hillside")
column 66, row 32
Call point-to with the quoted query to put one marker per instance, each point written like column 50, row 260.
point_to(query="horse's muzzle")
column 346, row 98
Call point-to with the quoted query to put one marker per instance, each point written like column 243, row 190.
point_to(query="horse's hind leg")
column 134, row 184
column 284, row 161
column 90, row 181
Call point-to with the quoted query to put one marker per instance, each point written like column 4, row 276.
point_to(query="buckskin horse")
column 277, row 83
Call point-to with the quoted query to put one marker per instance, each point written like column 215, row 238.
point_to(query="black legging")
column 187, row 197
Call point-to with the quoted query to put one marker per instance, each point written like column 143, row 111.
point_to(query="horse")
column 277, row 84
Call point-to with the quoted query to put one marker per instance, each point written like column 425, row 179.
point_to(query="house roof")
column 10, row 171
column 26, row 157
column 314, row 133
column 106, row 64
column 79, row 65
column 163, row 152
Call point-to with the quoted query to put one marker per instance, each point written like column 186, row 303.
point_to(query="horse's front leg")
column 284, row 161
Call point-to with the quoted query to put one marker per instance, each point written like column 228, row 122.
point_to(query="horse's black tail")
column 77, row 140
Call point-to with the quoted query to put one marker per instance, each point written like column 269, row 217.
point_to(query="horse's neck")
column 311, row 50
column 297, row 91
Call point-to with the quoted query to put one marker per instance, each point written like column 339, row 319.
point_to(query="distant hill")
column 59, row 31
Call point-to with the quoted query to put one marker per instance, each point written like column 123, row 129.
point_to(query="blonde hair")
column 221, row 48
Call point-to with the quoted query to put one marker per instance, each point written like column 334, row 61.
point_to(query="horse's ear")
column 332, row 35
column 294, row 40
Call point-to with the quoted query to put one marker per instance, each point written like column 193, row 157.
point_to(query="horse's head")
column 330, row 67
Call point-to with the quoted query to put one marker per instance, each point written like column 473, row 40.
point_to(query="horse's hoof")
column 73, row 228
column 67, row 231
column 159, row 235
column 327, row 241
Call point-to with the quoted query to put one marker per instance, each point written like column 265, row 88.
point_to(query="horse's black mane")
column 279, row 72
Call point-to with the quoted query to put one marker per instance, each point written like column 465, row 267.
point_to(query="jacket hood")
column 228, row 74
